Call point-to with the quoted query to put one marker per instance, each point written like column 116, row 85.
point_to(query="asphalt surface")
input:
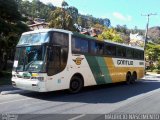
column 93, row 103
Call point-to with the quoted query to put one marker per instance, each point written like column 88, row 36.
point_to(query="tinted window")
column 110, row 50
column 130, row 53
column 58, row 53
column 141, row 55
column 121, row 51
column 60, row 39
column 79, row 45
column 97, row 48
column 138, row 54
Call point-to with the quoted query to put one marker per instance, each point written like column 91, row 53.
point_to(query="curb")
column 12, row 92
column 7, row 88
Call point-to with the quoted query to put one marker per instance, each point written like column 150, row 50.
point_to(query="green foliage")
column 99, row 27
column 74, row 13
column 110, row 34
column 157, row 40
column 11, row 26
column 117, row 38
column 153, row 52
column 61, row 19
column 122, row 29
column 64, row 4
column 35, row 9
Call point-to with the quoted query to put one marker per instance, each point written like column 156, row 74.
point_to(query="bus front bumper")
column 27, row 84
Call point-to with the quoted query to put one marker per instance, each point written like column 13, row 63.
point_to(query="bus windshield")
column 34, row 39
column 30, row 58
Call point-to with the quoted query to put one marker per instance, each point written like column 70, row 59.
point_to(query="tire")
column 128, row 79
column 134, row 78
column 76, row 84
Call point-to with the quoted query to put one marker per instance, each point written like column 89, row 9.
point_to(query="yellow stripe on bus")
column 119, row 73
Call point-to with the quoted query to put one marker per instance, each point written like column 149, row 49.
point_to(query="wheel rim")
column 75, row 85
column 134, row 77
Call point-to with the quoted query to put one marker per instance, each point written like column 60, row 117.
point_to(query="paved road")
column 143, row 97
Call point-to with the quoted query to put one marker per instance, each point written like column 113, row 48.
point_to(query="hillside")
column 154, row 34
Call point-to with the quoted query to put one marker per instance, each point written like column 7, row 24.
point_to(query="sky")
column 120, row 12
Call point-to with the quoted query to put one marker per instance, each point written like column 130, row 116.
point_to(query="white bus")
column 54, row 59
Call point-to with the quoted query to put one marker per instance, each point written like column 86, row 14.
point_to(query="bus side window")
column 130, row 53
column 138, row 54
column 121, row 51
column 97, row 48
column 61, row 39
column 79, row 45
column 110, row 50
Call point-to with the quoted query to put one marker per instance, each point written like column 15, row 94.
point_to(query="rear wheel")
column 128, row 79
column 134, row 77
column 76, row 84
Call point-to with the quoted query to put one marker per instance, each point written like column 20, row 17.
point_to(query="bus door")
column 54, row 60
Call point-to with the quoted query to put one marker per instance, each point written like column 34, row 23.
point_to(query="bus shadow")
column 110, row 93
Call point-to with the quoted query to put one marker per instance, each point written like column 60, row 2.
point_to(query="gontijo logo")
column 124, row 62
column 78, row 60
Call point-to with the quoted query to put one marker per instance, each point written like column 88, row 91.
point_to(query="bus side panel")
column 79, row 64
column 118, row 73
column 99, row 69
column 76, row 64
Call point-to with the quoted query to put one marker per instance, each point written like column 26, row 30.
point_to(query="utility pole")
column 148, row 16
column 145, row 42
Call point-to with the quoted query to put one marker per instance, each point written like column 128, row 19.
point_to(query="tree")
column 35, row 9
column 64, row 4
column 99, row 27
column 122, row 29
column 111, row 34
column 11, row 26
column 74, row 13
column 61, row 19
column 153, row 52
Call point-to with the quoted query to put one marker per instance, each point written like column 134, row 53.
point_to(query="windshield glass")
column 30, row 59
column 34, row 39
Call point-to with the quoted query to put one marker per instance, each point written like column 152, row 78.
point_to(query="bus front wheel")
column 76, row 84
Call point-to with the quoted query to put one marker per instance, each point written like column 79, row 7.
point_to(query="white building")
column 136, row 39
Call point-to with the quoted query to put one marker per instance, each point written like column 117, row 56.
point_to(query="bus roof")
column 125, row 45
column 47, row 30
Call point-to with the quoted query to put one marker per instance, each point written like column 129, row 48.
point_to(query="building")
column 38, row 24
column 136, row 39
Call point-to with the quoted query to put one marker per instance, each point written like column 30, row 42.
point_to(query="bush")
column 152, row 68
column 157, row 71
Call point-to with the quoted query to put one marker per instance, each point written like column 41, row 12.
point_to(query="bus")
column 55, row 59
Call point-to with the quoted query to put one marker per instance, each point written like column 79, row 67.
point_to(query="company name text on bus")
column 124, row 62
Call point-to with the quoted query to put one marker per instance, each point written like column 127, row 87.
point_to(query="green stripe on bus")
column 104, row 69
column 95, row 68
